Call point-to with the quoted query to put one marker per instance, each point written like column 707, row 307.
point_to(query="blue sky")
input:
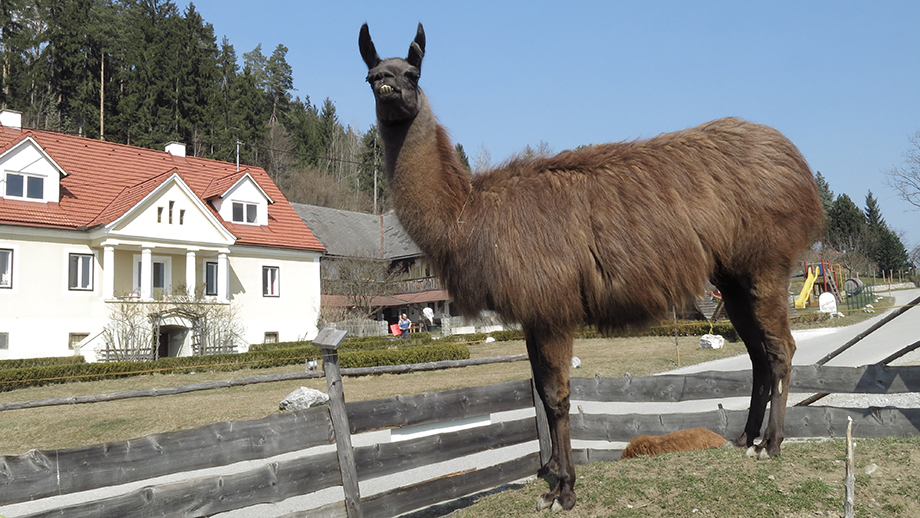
column 840, row 79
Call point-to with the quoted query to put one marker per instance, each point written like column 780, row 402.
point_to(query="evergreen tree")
column 196, row 82
column 226, row 106
column 890, row 254
column 302, row 122
column 279, row 80
column 846, row 226
column 256, row 62
column 461, row 155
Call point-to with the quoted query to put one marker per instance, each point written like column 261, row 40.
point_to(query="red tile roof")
column 104, row 180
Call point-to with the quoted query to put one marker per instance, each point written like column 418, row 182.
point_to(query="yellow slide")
column 806, row 289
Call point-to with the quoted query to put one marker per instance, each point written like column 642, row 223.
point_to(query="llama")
column 681, row 440
column 609, row 235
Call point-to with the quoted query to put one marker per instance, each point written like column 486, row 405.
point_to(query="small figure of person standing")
column 404, row 324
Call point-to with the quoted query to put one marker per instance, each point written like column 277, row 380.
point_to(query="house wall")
column 294, row 312
column 39, row 312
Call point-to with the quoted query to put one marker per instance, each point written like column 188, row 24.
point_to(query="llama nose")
column 385, row 89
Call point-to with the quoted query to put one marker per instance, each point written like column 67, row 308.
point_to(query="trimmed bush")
column 11, row 379
column 40, row 362
column 403, row 355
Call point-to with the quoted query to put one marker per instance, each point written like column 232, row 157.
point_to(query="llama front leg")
column 550, row 360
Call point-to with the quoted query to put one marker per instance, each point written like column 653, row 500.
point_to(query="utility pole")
column 375, row 176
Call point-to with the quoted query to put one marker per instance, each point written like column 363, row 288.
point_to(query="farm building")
column 94, row 235
column 355, row 236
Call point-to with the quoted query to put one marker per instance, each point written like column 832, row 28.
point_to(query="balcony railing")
column 419, row 285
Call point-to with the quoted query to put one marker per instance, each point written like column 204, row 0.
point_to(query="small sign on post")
column 328, row 341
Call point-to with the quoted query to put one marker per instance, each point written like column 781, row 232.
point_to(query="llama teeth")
column 385, row 89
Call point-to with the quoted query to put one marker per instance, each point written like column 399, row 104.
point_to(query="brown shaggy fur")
column 609, row 235
column 681, row 440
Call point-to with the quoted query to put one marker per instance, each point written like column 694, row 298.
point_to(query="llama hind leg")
column 550, row 359
column 757, row 309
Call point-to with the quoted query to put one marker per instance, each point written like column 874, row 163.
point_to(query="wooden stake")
column 850, row 480
column 676, row 343
column 328, row 341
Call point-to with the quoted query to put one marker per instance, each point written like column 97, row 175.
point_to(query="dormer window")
column 245, row 212
column 30, row 187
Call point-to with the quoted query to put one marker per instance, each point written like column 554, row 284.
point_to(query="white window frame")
column 246, row 207
column 25, row 186
column 207, row 288
column 271, row 287
column 83, row 256
column 167, row 273
column 10, row 269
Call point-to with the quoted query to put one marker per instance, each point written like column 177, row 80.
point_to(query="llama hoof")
column 751, row 452
column 556, row 507
column 763, row 455
column 545, row 501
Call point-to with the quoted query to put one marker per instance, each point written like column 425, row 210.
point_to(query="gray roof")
column 356, row 234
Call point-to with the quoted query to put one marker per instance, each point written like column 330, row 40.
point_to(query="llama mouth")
column 385, row 89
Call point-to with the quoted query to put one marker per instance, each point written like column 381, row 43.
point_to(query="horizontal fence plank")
column 251, row 380
column 664, row 388
column 584, row 456
column 204, row 496
column 431, row 407
column 389, row 458
column 868, row 379
column 451, row 487
column 39, row 474
column 800, row 422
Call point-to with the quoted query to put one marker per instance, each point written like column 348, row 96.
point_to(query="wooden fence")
column 36, row 479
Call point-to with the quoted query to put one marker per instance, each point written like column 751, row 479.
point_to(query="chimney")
column 176, row 149
column 10, row 119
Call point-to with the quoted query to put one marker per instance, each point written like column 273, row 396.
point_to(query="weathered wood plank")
column 390, row 458
column 38, row 474
column 155, row 392
column 344, row 450
column 432, row 407
column 588, row 455
column 451, row 487
column 868, row 379
column 333, row 510
column 268, row 378
column 800, row 422
column 666, row 388
column 209, row 495
column 871, row 379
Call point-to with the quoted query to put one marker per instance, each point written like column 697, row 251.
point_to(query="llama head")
column 394, row 80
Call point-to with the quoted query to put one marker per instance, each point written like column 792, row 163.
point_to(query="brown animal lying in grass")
column 681, row 440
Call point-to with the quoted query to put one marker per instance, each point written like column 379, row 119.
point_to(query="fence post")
column 328, row 341
column 543, row 432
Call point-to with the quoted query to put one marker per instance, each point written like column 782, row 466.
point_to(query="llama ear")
column 368, row 52
column 417, row 49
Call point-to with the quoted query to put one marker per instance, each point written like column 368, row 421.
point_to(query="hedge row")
column 11, row 379
column 404, row 355
column 370, row 343
column 39, row 362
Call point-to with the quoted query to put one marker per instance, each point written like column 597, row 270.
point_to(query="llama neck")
column 429, row 185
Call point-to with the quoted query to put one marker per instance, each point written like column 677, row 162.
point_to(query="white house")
column 88, row 226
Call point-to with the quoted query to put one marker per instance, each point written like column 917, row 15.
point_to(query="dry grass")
column 806, row 481
column 69, row 426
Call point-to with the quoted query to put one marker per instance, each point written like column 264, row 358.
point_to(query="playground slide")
column 806, row 289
